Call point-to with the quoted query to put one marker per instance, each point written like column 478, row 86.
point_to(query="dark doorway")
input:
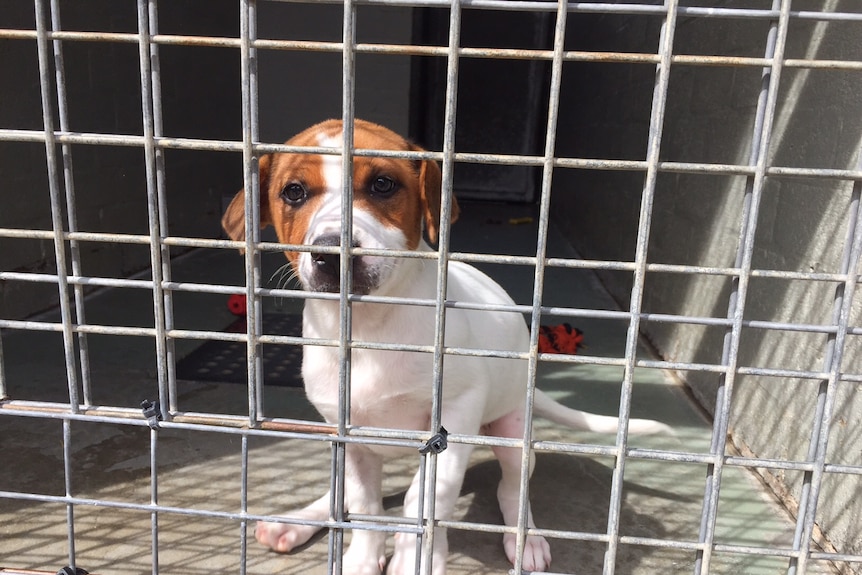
column 502, row 103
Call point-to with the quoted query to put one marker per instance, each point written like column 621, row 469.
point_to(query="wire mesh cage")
column 681, row 182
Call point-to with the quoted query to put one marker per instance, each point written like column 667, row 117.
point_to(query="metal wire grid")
column 75, row 329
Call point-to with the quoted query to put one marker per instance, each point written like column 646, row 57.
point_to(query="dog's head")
column 301, row 197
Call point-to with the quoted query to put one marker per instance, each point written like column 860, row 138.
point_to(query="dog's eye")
column 294, row 193
column 383, row 186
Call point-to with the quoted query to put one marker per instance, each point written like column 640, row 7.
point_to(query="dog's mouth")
column 324, row 273
column 362, row 284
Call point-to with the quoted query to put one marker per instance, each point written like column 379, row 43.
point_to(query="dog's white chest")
column 387, row 388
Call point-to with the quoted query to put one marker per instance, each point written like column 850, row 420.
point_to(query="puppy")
column 393, row 200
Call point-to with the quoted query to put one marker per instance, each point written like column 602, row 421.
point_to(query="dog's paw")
column 361, row 560
column 403, row 561
column 369, row 568
column 537, row 552
column 283, row 537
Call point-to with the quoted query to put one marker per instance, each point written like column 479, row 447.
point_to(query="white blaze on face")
column 368, row 229
column 327, row 219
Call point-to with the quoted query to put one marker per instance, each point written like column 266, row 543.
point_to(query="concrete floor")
column 200, row 470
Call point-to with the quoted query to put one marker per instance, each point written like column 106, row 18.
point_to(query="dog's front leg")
column 461, row 415
column 363, row 476
column 451, row 465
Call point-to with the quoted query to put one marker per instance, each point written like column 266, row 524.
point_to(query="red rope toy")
column 562, row 338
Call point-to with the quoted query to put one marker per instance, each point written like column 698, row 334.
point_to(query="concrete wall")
column 103, row 85
column 201, row 99
column 298, row 89
column 801, row 227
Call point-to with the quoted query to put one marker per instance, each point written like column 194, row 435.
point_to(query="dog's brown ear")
column 430, row 182
column 233, row 220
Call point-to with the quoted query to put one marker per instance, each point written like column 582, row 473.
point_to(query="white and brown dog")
column 392, row 199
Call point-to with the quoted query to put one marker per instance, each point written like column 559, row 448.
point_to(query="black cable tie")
column 437, row 443
column 67, row 570
column 152, row 412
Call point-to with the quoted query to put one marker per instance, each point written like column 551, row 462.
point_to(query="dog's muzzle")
column 325, row 272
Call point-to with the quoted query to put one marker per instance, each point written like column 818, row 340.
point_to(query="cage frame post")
column 71, row 280
column 761, row 139
column 69, row 193
column 656, row 126
column 43, row 49
column 338, row 490
column 827, row 389
column 426, row 513
column 527, row 452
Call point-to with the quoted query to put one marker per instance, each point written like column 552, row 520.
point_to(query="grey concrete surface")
column 198, row 470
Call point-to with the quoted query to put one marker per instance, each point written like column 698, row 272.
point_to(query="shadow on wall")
column 801, row 226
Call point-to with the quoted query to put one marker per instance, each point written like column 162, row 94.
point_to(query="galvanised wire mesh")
column 71, row 281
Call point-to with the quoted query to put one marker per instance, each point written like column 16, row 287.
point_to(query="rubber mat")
column 225, row 361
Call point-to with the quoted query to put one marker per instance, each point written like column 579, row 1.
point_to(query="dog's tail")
column 549, row 409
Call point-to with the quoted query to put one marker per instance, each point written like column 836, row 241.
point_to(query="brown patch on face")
column 402, row 208
column 276, row 171
column 419, row 181
column 416, row 198
column 291, row 219
column 233, row 220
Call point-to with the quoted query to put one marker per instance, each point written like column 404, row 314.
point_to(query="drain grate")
column 225, row 361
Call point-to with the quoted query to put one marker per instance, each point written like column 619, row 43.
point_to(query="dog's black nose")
column 327, row 264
